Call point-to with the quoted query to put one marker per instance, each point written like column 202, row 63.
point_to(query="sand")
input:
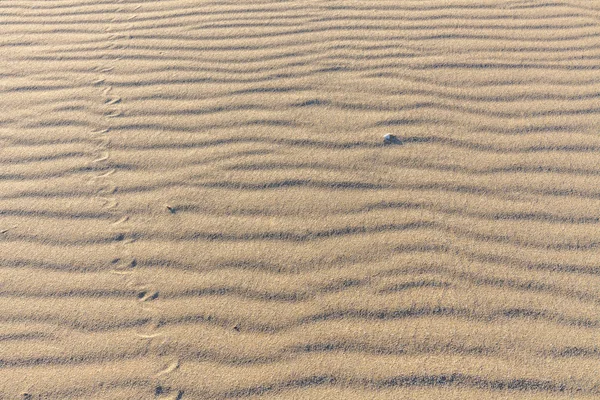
column 196, row 202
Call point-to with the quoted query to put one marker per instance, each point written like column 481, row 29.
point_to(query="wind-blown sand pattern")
column 195, row 202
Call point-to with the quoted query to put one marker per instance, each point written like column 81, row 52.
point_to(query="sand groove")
column 195, row 202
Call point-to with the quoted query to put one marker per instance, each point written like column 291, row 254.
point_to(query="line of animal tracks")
column 106, row 179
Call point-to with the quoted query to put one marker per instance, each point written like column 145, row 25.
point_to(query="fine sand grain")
column 196, row 202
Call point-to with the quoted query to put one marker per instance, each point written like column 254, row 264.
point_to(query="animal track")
column 112, row 106
column 113, row 101
column 146, row 296
column 170, row 368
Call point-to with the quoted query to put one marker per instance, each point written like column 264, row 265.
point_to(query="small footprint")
column 109, row 173
column 117, row 272
column 149, row 336
column 172, row 367
column 146, row 296
column 109, row 203
column 120, row 221
column 108, row 188
column 113, row 101
column 7, row 229
column 114, row 114
column 126, row 263
column 103, row 158
column 94, row 179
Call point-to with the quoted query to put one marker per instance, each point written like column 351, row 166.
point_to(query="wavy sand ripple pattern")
column 195, row 202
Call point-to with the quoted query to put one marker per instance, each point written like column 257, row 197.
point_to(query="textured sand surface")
column 195, row 202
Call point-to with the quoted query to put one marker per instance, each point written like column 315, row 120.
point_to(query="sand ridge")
column 196, row 203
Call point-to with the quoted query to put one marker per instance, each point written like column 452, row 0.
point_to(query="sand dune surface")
column 196, row 201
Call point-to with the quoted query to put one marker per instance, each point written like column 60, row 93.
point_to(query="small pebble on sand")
column 391, row 139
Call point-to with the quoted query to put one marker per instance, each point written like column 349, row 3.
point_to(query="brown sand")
column 195, row 202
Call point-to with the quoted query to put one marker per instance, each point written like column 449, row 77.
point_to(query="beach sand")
column 196, row 201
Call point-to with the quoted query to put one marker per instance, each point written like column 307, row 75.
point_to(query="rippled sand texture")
column 195, row 202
